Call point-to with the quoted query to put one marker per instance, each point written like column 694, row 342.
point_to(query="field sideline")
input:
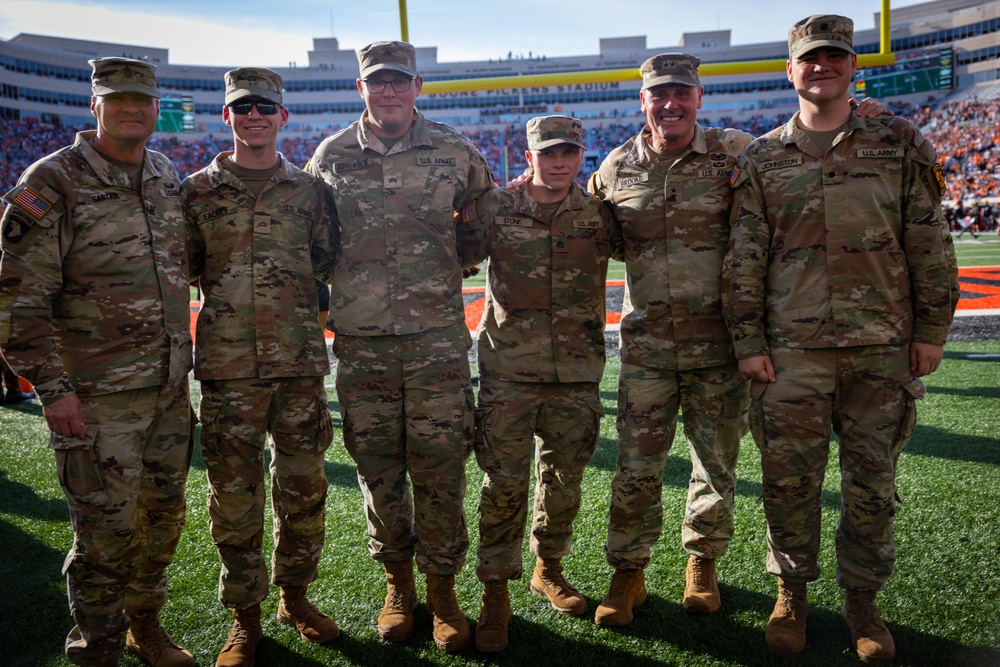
column 942, row 604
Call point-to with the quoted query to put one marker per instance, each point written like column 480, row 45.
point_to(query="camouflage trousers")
column 564, row 421
column 714, row 403
column 124, row 482
column 406, row 403
column 237, row 417
column 867, row 395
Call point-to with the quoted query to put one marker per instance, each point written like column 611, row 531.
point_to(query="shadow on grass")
column 32, row 598
column 969, row 392
column 22, row 500
column 942, row 444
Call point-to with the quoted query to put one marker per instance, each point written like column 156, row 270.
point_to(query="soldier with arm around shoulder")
column 94, row 313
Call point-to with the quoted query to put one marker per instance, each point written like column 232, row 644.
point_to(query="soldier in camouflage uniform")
column 669, row 190
column 541, row 357
column 259, row 230
column 841, row 284
column 94, row 313
column 403, row 378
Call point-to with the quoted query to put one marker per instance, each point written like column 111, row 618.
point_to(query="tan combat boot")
column 451, row 628
column 548, row 580
column 627, row 590
column 241, row 644
column 494, row 618
column 147, row 639
column 870, row 637
column 395, row 621
column 312, row 624
column 701, row 586
column 786, row 629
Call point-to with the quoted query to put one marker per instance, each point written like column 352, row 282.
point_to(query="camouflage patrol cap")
column 820, row 30
column 123, row 75
column 664, row 68
column 253, row 82
column 396, row 56
column 546, row 131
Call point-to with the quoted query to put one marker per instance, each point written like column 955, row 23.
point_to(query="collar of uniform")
column 107, row 172
column 417, row 135
column 699, row 144
column 217, row 174
column 575, row 200
column 791, row 132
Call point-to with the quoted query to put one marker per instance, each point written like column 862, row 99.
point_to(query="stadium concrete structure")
column 46, row 77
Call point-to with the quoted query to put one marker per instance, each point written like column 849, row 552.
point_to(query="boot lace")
column 154, row 638
column 701, row 569
column 619, row 583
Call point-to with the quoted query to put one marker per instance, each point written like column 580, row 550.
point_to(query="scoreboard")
column 176, row 114
column 915, row 71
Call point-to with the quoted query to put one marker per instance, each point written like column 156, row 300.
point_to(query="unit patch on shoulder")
column 940, row 178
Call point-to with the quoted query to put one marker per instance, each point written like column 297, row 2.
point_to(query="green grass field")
column 984, row 251
column 942, row 604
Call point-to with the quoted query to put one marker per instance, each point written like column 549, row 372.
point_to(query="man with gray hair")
column 260, row 232
column 669, row 189
column 396, row 307
column 840, row 286
column 100, row 222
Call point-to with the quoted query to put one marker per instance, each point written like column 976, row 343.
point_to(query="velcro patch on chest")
column 595, row 223
column 513, row 221
column 351, row 166
column 783, row 163
column 425, row 161
column 629, row 181
column 894, row 153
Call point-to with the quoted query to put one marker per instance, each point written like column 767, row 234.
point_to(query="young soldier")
column 541, row 357
column 259, row 229
column 841, row 283
column 94, row 313
column 396, row 307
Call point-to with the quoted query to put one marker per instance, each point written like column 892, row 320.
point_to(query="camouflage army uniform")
column 676, row 353
column 541, row 357
column 94, row 300
column 261, row 357
column 396, row 306
column 837, row 262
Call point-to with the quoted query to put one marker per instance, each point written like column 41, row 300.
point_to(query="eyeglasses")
column 378, row 85
column 263, row 108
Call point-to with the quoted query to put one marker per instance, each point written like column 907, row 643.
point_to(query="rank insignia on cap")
column 33, row 203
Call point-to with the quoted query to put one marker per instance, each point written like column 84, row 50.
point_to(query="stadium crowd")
column 966, row 134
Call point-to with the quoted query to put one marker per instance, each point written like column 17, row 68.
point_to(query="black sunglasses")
column 263, row 108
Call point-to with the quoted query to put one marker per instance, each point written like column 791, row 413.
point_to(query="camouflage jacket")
column 398, row 270
column 256, row 259
column 674, row 217
column 93, row 285
column 545, row 297
column 839, row 250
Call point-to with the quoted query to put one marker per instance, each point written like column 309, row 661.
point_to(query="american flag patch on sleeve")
column 33, row 203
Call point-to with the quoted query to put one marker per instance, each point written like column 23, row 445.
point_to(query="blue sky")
column 253, row 32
